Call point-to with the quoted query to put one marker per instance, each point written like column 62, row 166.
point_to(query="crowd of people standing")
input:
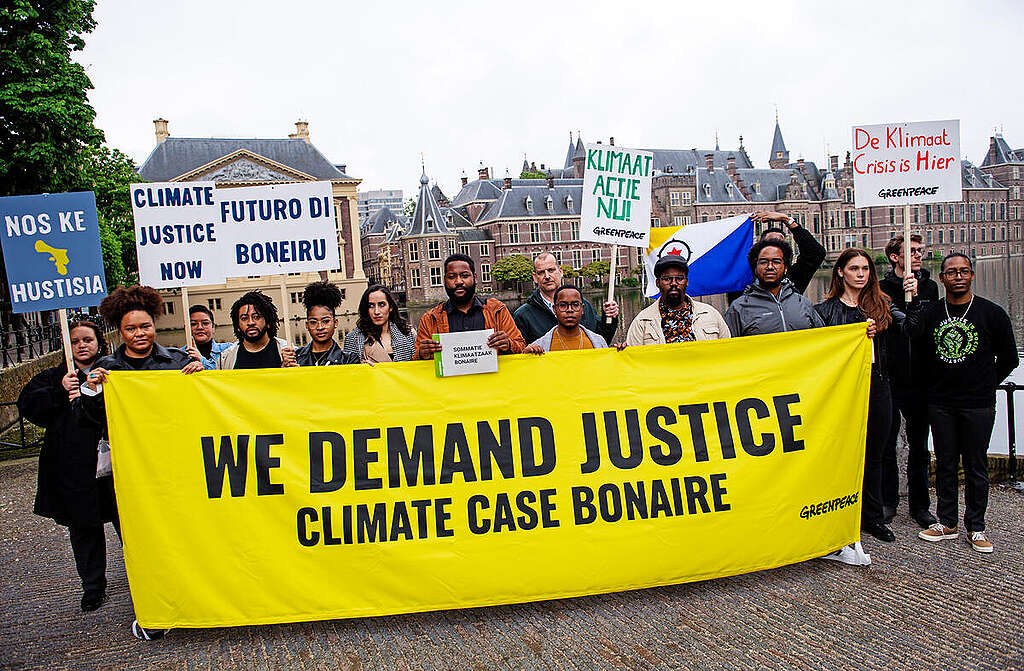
column 937, row 363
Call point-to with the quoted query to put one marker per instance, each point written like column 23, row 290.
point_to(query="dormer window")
column 728, row 189
column 707, row 190
column 568, row 204
column 430, row 225
column 549, row 203
column 757, row 188
column 668, row 168
column 529, row 204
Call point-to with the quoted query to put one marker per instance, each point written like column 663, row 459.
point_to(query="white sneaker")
column 853, row 555
column 980, row 542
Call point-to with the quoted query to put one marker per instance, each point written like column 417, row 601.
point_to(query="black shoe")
column 141, row 632
column 924, row 518
column 879, row 531
column 888, row 513
column 92, row 600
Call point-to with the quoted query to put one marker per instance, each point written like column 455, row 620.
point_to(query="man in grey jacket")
column 770, row 304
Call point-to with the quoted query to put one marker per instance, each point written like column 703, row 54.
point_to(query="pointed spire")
column 427, row 219
column 779, row 156
column 717, row 148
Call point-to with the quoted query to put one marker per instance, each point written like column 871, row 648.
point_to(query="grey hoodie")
column 758, row 311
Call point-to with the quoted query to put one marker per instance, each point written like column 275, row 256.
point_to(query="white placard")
column 278, row 229
column 907, row 163
column 616, row 206
column 177, row 239
column 465, row 353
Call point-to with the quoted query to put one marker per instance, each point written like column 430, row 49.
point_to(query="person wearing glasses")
column 908, row 397
column 675, row 317
column 322, row 300
column 568, row 333
column 770, row 304
column 967, row 348
column 206, row 349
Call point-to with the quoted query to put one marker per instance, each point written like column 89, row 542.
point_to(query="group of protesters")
column 936, row 362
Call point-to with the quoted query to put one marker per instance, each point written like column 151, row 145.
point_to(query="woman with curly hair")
column 855, row 296
column 382, row 334
column 322, row 300
column 69, row 491
column 133, row 310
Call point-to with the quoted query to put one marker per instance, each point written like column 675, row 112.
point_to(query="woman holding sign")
column 134, row 311
column 855, row 296
column 70, row 490
column 381, row 334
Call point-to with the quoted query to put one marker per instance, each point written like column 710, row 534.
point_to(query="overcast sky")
column 464, row 82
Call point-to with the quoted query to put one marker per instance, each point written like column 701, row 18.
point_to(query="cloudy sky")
column 464, row 82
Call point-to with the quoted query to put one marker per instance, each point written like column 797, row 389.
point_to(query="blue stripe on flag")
column 724, row 267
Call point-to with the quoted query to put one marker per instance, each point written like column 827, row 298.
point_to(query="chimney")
column 730, row 165
column 611, row 140
column 465, row 180
column 579, row 165
column 709, row 160
column 301, row 131
column 551, row 182
column 161, row 130
column 992, row 151
column 482, row 172
column 800, row 164
column 833, row 164
column 508, row 181
column 542, row 167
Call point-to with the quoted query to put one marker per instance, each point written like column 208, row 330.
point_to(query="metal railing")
column 1011, row 437
column 28, row 343
column 15, row 437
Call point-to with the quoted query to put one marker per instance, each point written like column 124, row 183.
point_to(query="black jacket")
column 904, row 370
column 91, row 410
column 68, row 490
column 534, row 319
column 835, row 312
column 336, row 356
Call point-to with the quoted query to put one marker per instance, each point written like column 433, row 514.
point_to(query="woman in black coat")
column 68, row 490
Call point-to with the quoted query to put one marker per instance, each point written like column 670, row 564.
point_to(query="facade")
column 253, row 162
column 371, row 201
column 495, row 218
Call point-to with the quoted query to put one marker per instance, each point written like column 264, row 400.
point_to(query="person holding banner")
column 909, row 397
column 675, row 317
column 382, row 334
column 207, row 350
column 254, row 319
column 969, row 349
column 465, row 311
column 322, row 300
column 854, row 296
column 69, row 491
column 568, row 334
column 537, row 315
column 771, row 303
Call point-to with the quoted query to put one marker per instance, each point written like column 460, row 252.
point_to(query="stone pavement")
column 921, row 606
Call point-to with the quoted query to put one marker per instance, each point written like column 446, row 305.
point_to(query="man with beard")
column 770, row 304
column 206, row 349
column 254, row 319
column 536, row 316
column 675, row 317
column 465, row 311
column 322, row 300
column 967, row 348
column 907, row 393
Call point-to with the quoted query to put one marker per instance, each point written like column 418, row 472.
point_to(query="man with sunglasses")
column 675, row 317
column 968, row 349
column 907, row 393
column 771, row 303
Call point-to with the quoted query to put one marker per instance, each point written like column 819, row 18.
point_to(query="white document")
column 465, row 353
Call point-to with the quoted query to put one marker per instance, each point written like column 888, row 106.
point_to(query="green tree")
column 568, row 273
column 532, row 174
column 596, row 269
column 109, row 173
column 516, row 268
column 45, row 116
column 410, row 207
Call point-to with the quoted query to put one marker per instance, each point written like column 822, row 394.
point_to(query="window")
column 435, row 276
column 1002, row 233
column 929, row 237
column 992, row 237
column 433, row 249
column 655, row 222
column 213, row 303
column 556, row 232
column 529, row 204
column 414, row 251
column 577, row 258
column 677, row 220
column 595, row 254
column 168, row 308
column 464, row 249
column 430, row 225
column 707, row 190
column 513, row 233
column 549, row 204
column 451, row 246
column 296, row 297
column 849, row 195
column 940, row 236
column 927, row 214
column 673, row 198
column 952, row 214
column 568, row 204
column 864, row 218
column 974, row 236
column 703, row 218
column 1016, row 172
column 817, row 224
column 915, row 219
column 485, row 250
column 1002, row 211
column 414, row 278
column 485, row 272
column 575, row 230
column 687, row 220
column 938, row 213
column 687, row 197
column 864, row 240
column 558, row 256
column 973, row 212
column 991, row 211
column 534, row 232
column 963, row 235
column 892, row 215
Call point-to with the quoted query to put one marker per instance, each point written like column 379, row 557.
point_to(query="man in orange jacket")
column 465, row 311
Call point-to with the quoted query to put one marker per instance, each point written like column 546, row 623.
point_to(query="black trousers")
column 879, row 423
column 89, row 546
column 961, row 434
column 913, row 405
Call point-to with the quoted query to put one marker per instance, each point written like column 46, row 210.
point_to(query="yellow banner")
column 265, row 496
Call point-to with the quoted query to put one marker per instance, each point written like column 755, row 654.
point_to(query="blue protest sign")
column 51, row 247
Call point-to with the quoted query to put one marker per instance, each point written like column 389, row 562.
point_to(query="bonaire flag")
column 715, row 250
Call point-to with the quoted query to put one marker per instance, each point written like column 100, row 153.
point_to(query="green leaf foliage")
column 515, row 268
column 596, row 269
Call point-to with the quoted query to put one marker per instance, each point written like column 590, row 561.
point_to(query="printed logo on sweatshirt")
column 955, row 340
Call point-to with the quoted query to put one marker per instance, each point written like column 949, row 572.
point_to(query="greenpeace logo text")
column 907, row 193
column 825, row 507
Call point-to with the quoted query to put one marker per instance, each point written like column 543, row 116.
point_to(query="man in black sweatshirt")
column 968, row 348
column 908, row 394
column 810, row 252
